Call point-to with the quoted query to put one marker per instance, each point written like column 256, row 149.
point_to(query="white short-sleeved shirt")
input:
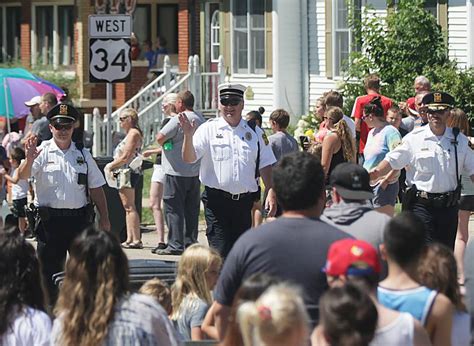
column 29, row 327
column 56, row 176
column 430, row 160
column 229, row 154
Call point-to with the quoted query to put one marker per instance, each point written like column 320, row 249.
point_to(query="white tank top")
column 399, row 332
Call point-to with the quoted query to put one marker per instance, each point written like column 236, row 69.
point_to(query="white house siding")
column 457, row 31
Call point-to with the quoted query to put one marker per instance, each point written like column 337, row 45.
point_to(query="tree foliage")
column 406, row 43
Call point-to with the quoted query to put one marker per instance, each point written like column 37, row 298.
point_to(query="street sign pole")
column 109, row 57
column 109, row 118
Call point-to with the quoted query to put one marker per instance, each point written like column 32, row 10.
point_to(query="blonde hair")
column 170, row 99
column 158, row 290
column 191, row 283
column 276, row 314
column 343, row 132
column 133, row 114
column 96, row 279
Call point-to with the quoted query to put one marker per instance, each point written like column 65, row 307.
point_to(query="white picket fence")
column 148, row 102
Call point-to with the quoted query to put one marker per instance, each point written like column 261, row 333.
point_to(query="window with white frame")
column 343, row 40
column 248, row 32
column 10, row 21
column 215, row 40
column 53, row 35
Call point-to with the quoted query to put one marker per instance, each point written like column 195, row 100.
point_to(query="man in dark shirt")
column 293, row 247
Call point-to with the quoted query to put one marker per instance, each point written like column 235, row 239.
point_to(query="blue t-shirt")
column 379, row 143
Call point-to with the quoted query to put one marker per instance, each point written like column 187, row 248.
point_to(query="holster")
column 409, row 198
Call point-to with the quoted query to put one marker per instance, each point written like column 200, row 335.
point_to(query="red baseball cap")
column 351, row 257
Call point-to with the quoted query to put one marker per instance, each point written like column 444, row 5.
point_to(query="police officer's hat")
column 438, row 101
column 63, row 113
column 231, row 90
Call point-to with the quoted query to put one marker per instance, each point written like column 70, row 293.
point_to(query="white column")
column 277, row 96
column 470, row 33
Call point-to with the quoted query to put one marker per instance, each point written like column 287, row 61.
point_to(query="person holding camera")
column 66, row 178
column 434, row 157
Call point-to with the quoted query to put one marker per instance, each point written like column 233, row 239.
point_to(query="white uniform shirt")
column 228, row 155
column 56, row 176
column 430, row 161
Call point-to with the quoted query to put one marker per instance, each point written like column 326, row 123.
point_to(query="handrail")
column 160, row 99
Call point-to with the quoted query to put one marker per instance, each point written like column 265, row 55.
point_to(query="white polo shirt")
column 228, row 155
column 56, row 176
column 430, row 160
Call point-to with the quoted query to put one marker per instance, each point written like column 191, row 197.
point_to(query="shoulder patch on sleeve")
column 265, row 138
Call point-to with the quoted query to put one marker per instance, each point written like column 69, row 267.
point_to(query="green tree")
column 397, row 47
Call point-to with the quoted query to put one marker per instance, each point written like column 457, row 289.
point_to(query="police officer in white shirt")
column 434, row 156
column 66, row 177
column 232, row 154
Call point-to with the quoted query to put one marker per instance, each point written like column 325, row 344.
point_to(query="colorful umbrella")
column 17, row 86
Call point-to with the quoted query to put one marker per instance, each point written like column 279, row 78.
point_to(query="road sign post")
column 110, row 56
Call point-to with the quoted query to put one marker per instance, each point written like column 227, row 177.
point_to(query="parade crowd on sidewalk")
column 306, row 242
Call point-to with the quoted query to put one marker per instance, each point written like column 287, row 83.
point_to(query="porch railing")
column 148, row 102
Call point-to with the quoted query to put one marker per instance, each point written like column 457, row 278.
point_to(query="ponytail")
column 347, row 141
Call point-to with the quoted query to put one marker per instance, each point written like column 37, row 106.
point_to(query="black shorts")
column 18, row 207
column 466, row 203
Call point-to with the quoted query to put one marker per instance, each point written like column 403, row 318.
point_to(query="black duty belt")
column 437, row 200
column 67, row 212
column 228, row 195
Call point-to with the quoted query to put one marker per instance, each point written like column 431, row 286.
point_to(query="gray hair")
column 423, row 81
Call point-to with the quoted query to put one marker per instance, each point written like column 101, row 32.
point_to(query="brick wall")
column 25, row 36
column 184, row 21
column 124, row 91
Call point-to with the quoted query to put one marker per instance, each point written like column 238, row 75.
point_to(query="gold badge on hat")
column 437, row 97
column 63, row 109
column 248, row 136
column 265, row 138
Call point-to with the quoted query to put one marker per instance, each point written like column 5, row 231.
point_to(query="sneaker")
column 169, row 251
column 161, row 246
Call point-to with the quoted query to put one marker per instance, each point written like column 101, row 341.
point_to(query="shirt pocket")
column 52, row 173
column 76, row 170
column 220, row 150
column 425, row 162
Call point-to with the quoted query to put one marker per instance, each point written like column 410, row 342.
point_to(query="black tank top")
column 337, row 158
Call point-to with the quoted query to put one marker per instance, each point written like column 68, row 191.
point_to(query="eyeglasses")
column 230, row 102
column 433, row 111
column 123, row 118
column 60, row 127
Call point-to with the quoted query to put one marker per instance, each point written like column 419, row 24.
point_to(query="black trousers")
column 226, row 219
column 441, row 223
column 55, row 237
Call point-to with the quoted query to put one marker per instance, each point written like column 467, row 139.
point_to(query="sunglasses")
column 60, row 127
column 230, row 102
column 123, row 118
column 438, row 111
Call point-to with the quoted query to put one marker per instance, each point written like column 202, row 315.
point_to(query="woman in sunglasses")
column 127, row 168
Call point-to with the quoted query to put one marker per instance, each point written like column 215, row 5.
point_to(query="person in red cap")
column 357, row 262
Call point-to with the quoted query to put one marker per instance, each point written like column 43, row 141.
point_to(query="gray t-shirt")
column 282, row 143
column 172, row 160
column 292, row 249
column 41, row 129
column 192, row 315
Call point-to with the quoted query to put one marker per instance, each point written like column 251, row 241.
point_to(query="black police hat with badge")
column 438, row 101
column 63, row 113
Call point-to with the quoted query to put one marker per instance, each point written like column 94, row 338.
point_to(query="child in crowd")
column 277, row 318
column 198, row 269
column 19, row 188
column 281, row 141
column 251, row 289
column 257, row 217
column 357, row 262
column 403, row 244
column 347, row 316
column 160, row 291
column 437, row 270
